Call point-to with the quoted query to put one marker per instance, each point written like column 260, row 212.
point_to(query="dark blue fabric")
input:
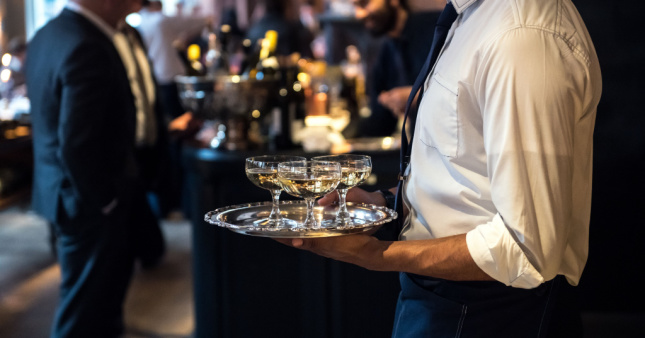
column 61, row 65
column 447, row 17
column 398, row 64
column 439, row 308
column 96, row 256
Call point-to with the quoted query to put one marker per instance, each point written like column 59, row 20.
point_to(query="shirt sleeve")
column 529, row 86
column 488, row 242
column 185, row 26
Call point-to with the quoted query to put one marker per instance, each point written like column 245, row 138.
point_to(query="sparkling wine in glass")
column 309, row 180
column 263, row 172
column 355, row 170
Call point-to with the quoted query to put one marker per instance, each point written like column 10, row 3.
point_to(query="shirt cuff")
column 495, row 252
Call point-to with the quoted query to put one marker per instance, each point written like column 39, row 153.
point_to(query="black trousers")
column 435, row 308
column 172, row 108
column 169, row 100
column 96, row 254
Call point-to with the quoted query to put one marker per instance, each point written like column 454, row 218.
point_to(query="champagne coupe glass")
column 263, row 172
column 309, row 180
column 355, row 170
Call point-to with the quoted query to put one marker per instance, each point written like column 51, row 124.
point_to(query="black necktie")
column 447, row 17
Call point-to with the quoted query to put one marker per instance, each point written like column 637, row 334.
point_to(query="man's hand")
column 356, row 195
column 355, row 249
column 185, row 125
column 395, row 99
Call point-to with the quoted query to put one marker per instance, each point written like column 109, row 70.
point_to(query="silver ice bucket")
column 228, row 101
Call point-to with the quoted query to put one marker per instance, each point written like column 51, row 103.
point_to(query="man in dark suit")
column 89, row 153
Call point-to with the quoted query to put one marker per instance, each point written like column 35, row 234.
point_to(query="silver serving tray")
column 241, row 218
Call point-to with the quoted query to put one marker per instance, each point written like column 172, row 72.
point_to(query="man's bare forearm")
column 446, row 258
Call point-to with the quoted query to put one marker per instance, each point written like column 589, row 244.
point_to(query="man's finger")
column 298, row 243
column 328, row 199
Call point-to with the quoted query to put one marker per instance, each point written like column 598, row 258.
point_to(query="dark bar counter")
column 248, row 286
column 15, row 169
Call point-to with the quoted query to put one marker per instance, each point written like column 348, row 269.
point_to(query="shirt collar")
column 95, row 19
column 461, row 5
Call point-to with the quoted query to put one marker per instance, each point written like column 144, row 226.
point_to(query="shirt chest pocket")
column 438, row 120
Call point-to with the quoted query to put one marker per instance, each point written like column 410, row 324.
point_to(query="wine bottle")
column 190, row 70
column 217, row 59
column 194, row 54
column 267, row 66
column 251, row 57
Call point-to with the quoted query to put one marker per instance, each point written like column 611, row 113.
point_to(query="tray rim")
column 211, row 218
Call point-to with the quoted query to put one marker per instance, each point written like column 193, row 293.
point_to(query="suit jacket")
column 83, row 118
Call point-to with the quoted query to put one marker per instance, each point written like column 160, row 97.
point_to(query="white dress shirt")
column 502, row 147
column 133, row 57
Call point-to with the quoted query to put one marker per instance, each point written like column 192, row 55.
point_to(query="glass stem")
column 310, row 220
column 275, row 209
column 343, row 214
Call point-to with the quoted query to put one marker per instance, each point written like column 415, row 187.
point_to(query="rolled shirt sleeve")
column 491, row 243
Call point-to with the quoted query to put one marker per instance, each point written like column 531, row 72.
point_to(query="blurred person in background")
column 408, row 37
column 18, row 51
column 89, row 133
column 161, row 34
column 283, row 17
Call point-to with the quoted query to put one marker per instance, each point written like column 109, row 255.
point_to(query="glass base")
column 283, row 223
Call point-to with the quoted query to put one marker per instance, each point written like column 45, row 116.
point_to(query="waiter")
column 496, row 196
